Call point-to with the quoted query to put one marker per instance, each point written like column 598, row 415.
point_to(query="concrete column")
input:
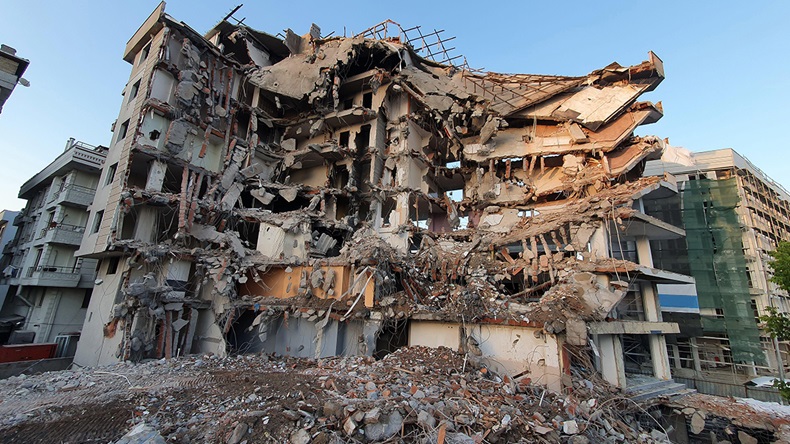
column 612, row 365
column 156, row 176
column 643, row 253
column 660, row 357
column 650, row 302
column 652, row 307
column 658, row 342
column 145, row 228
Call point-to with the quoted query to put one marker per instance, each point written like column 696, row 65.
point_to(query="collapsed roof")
column 352, row 169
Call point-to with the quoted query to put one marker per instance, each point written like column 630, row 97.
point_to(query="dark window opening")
column 326, row 242
column 364, row 211
column 243, row 337
column 367, row 100
column 248, row 232
column 362, row 141
column 347, row 104
column 387, row 207
column 86, row 299
column 144, row 53
column 242, row 123
column 123, row 130
column 97, row 221
column 154, row 135
column 111, row 173
column 341, row 176
column 133, row 92
column 393, row 335
column 344, row 139
column 112, row 265
column 342, row 207
column 280, row 205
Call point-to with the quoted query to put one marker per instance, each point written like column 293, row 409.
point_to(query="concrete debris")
column 260, row 397
column 316, row 197
column 142, row 433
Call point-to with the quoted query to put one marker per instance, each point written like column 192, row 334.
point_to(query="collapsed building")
column 319, row 196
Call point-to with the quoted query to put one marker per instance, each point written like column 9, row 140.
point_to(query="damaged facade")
column 336, row 196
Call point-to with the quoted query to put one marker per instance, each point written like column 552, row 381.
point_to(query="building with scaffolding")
column 734, row 215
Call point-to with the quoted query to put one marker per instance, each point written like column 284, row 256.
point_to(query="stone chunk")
column 697, row 423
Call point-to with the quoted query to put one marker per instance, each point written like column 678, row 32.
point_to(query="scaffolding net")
column 717, row 262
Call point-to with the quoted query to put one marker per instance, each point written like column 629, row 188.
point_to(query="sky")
column 726, row 63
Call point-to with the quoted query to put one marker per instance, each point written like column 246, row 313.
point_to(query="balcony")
column 63, row 234
column 20, row 219
column 73, row 195
column 9, row 247
column 51, row 276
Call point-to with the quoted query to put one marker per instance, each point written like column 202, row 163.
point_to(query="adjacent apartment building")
column 320, row 196
column 46, row 283
column 734, row 215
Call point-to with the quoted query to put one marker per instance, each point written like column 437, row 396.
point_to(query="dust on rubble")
column 415, row 394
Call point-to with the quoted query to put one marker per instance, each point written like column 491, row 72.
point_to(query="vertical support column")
column 612, row 365
column 156, row 175
column 145, row 228
column 658, row 343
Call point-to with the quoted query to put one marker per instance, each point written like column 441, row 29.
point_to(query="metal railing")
column 725, row 389
column 52, row 269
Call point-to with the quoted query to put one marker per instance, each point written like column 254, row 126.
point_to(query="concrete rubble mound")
column 415, row 394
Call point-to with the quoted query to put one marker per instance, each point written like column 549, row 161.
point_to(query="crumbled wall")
column 353, row 177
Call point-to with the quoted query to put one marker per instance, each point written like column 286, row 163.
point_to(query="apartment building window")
column 144, row 53
column 135, row 89
column 122, row 130
column 112, row 266
column 86, row 300
column 111, row 173
column 97, row 221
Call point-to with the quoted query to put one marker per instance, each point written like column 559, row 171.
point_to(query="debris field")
column 412, row 395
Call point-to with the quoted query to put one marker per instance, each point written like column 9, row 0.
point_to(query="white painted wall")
column 506, row 349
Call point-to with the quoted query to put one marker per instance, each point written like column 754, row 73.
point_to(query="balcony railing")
column 63, row 234
column 74, row 195
column 52, row 276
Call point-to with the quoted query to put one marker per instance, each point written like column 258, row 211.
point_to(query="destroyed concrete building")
column 45, row 284
column 319, row 196
column 737, row 215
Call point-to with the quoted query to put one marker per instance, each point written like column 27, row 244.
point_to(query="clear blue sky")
column 727, row 63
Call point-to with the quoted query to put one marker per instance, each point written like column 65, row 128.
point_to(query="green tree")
column 778, row 324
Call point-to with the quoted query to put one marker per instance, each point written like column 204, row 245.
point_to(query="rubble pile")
column 416, row 394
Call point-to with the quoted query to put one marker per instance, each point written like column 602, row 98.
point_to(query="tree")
column 778, row 324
